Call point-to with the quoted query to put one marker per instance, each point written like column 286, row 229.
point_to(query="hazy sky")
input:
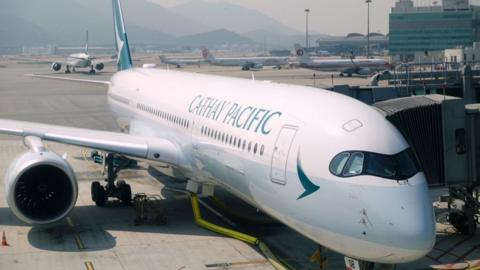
column 337, row 17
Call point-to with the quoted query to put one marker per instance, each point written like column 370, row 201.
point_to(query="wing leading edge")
column 150, row 148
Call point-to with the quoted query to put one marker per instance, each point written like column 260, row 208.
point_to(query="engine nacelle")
column 99, row 66
column 56, row 66
column 364, row 71
column 41, row 187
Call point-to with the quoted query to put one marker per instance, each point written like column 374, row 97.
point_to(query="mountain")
column 215, row 38
column 148, row 15
column 196, row 23
column 235, row 18
column 64, row 22
column 17, row 31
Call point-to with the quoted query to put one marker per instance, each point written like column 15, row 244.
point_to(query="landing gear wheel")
column 125, row 194
column 114, row 188
column 100, row 195
column 341, row 75
column 93, row 189
column 67, row 71
column 92, row 71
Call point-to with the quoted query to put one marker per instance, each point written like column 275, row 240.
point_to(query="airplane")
column 247, row 63
column 324, row 164
column 179, row 63
column 80, row 60
column 344, row 66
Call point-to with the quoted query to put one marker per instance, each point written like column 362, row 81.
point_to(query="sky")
column 335, row 17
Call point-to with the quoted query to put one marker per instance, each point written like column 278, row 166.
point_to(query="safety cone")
column 4, row 240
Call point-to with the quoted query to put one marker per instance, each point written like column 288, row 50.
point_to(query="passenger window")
column 244, row 144
column 249, row 146
column 239, row 143
column 262, row 149
column 255, row 149
column 354, row 165
column 338, row 163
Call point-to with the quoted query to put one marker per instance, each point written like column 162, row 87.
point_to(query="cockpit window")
column 338, row 162
column 398, row 167
column 381, row 165
column 407, row 163
column 354, row 165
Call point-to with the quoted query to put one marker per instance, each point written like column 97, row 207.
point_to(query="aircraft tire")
column 100, row 195
column 125, row 194
column 93, row 189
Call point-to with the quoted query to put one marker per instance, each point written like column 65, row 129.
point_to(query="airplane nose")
column 414, row 223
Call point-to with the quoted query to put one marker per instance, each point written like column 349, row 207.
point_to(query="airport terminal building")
column 431, row 29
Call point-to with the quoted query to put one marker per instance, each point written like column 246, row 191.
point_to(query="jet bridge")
column 443, row 133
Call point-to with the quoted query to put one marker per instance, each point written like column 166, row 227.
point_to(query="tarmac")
column 107, row 237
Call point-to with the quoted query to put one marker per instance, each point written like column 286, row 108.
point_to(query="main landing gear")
column 92, row 70
column 67, row 70
column 114, row 188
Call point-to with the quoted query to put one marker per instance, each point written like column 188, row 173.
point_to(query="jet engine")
column 364, row 71
column 56, row 66
column 251, row 66
column 99, row 66
column 41, row 186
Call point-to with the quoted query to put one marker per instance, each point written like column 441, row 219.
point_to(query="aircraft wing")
column 103, row 60
column 150, row 148
column 97, row 82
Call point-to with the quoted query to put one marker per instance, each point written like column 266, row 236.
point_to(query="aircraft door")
column 280, row 154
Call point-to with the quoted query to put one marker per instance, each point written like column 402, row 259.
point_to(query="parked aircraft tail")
column 207, row 55
column 124, row 58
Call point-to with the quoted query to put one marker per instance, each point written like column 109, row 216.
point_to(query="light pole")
column 368, row 27
column 306, row 26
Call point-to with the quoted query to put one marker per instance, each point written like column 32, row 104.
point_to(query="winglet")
column 124, row 58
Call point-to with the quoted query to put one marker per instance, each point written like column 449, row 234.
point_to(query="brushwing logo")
column 307, row 184
column 124, row 60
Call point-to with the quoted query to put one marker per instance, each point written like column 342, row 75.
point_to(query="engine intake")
column 99, row 66
column 56, row 66
column 41, row 187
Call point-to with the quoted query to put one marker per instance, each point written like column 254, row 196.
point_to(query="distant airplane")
column 247, row 63
column 324, row 164
column 80, row 60
column 347, row 67
column 179, row 63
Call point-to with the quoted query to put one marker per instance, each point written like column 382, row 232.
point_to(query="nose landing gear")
column 114, row 188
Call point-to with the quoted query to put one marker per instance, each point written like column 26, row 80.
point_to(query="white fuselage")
column 345, row 65
column 79, row 60
column 263, row 142
column 242, row 61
